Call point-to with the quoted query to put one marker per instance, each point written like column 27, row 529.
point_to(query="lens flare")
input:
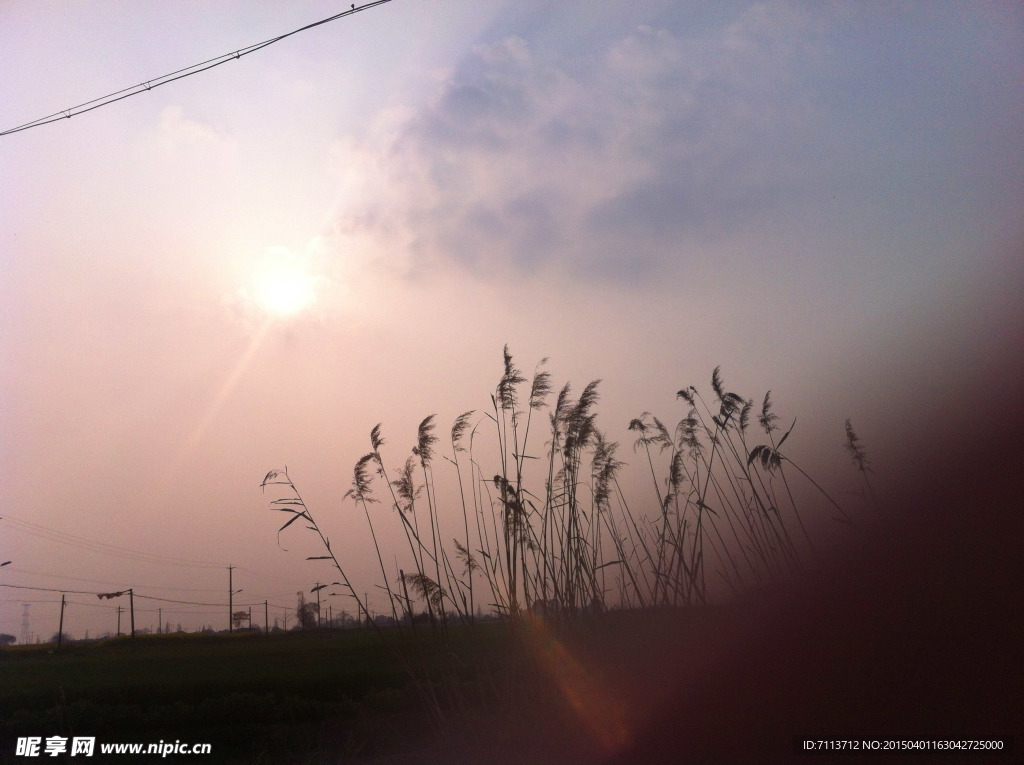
column 603, row 714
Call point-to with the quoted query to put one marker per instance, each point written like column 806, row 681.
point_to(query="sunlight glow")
column 284, row 288
column 226, row 389
column 601, row 711
column 286, row 295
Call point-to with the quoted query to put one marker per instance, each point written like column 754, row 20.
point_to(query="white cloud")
column 588, row 167
column 176, row 132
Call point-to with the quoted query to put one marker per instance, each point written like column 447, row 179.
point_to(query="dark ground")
column 913, row 629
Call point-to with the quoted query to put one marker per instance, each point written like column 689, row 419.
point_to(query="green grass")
column 173, row 667
column 250, row 693
column 323, row 696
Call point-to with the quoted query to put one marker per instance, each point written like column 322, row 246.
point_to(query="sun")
column 284, row 288
column 287, row 294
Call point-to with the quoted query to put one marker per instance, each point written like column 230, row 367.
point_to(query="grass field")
column 879, row 642
column 253, row 696
column 342, row 696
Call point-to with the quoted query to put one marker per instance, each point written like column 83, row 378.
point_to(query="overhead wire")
column 179, row 74
column 18, row 570
column 199, row 608
column 45, row 589
column 138, row 595
column 23, row 600
column 35, row 529
column 108, row 606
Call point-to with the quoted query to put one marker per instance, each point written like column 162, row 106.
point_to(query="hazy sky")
column 251, row 267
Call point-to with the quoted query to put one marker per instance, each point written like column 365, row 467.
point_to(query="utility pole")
column 231, row 601
column 408, row 603
column 159, row 621
column 319, row 621
column 131, row 603
column 266, row 618
column 119, row 610
column 26, row 631
column 60, row 629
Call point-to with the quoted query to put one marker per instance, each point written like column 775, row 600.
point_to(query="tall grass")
column 548, row 529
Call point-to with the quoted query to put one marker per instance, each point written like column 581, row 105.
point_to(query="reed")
column 553, row 534
column 724, row 506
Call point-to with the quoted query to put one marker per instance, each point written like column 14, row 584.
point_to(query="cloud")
column 177, row 133
column 590, row 166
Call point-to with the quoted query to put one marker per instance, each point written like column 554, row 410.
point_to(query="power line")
column 148, row 85
column 35, row 529
column 19, row 570
column 90, row 605
column 46, row 589
column 184, row 602
column 209, row 605
column 23, row 600
column 151, row 610
column 137, row 595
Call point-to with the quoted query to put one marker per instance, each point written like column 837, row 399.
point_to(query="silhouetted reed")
column 725, row 507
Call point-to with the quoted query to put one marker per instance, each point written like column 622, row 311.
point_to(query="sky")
column 251, row 267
